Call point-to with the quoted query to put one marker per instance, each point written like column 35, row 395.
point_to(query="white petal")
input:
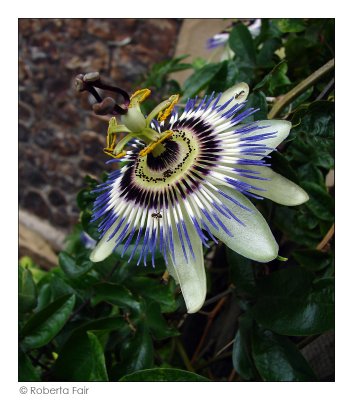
column 238, row 92
column 255, row 239
column 190, row 275
column 281, row 128
column 105, row 247
column 277, row 188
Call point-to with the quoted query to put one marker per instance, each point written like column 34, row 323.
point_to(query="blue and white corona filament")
column 186, row 180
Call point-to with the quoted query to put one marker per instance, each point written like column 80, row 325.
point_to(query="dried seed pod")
column 91, row 77
column 104, row 107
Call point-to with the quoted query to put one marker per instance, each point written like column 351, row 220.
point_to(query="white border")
column 9, row 231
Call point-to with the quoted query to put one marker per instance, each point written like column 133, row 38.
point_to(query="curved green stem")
column 299, row 89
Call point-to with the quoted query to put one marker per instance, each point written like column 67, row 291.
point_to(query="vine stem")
column 184, row 356
column 321, row 246
column 210, row 319
column 299, row 89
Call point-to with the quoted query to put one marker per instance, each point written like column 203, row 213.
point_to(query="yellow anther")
column 138, row 97
column 110, row 153
column 111, row 141
column 162, row 115
column 113, row 126
column 153, row 145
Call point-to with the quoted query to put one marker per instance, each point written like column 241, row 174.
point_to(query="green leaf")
column 85, row 198
column 287, row 25
column 163, row 375
column 313, row 260
column 154, row 290
column 99, row 371
column 26, row 371
column 266, row 56
column 278, row 359
column 200, row 79
column 282, row 166
column 157, row 324
column 276, row 81
column 115, row 294
column 288, row 221
column 81, row 359
column 225, row 78
column 289, row 303
column 241, row 272
column 44, row 296
column 320, row 203
column 137, row 353
column 27, row 291
column 257, row 100
column 241, row 42
column 36, row 271
column 44, row 325
column 71, row 268
column 314, row 135
column 90, row 228
column 115, row 323
column 242, row 359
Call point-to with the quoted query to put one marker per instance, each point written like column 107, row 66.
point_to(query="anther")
column 153, row 145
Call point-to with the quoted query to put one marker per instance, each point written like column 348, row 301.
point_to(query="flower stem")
column 184, row 356
column 299, row 89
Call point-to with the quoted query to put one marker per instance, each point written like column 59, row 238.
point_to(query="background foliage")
column 114, row 321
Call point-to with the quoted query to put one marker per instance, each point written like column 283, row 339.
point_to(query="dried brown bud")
column 104, row 107
column 91, row 77
column 79, row 84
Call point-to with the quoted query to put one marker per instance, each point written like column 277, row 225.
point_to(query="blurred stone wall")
column 60, row 140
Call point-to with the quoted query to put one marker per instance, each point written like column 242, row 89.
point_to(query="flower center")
column 172, row 160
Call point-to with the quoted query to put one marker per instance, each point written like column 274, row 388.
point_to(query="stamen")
column 110, row 153
column 138, row 97
column 153, row 145
column 164, row 114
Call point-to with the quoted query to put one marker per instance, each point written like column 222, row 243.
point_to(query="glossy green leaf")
column 275, row 81
column 258, row 101
column 225, row 78
column 241, row 356
column 313, row 260
column 313, row 130
column 287, row 220
column 99, row 371
column 71, row 268
column 281, row 165
column 81, row 359
column 266, row 56
column 137, row 353
column 200, row 79
column 26, row 371
column 115, row 294
column 241, row 42
column 44, row 296
column 44, row 325
column 90, row 228
column 320, row 203
column 85, row 197
column 157, row 324
column 154, row 290
column 241, row 272
column 278, row 359
column 289, row 303
column 27, row 291
column 163, row 375
column 287, row 25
